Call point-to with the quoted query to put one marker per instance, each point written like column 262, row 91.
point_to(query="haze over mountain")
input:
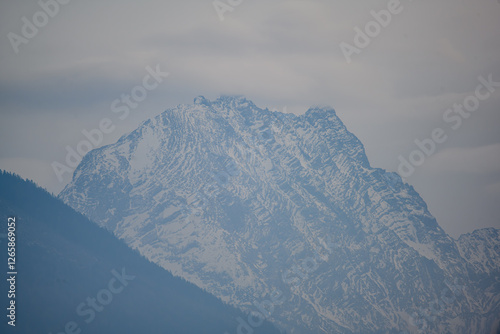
column 74, row 277
column 246, row 202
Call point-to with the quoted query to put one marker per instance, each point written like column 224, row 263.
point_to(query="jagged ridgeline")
column 246, row 202
column 75, row 277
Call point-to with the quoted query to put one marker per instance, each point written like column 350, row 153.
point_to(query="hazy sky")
column 86, row 54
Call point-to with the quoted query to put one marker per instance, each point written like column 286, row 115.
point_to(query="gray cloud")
column 279, row 53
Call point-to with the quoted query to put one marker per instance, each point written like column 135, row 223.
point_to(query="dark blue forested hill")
column 75, row 276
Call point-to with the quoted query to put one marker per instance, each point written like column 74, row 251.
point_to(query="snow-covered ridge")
column 231, row 196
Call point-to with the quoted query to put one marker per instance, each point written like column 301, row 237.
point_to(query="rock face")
column 247, row 202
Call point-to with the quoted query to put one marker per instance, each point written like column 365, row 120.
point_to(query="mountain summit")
column 250, row 203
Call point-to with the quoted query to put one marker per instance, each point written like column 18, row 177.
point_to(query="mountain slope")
column 70, row 270
column 244, row 201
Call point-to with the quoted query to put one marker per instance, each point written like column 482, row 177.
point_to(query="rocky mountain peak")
column 244, row 201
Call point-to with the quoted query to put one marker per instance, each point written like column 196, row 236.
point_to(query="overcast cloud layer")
column 278, row 54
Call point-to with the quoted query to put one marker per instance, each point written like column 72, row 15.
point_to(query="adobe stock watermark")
column 373, row 28
column 121, row 106
column 223, row 6
column 453, row 117
column 87, row 309
column 30, row 28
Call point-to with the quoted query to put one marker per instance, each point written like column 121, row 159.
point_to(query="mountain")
column 249, row 203
column 75, row 277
